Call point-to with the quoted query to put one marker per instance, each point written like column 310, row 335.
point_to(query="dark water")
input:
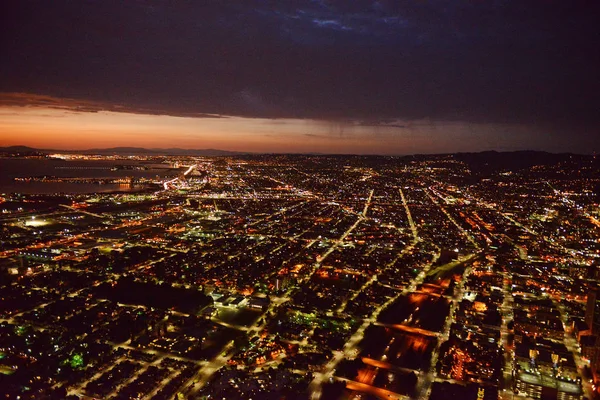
column 11, row 168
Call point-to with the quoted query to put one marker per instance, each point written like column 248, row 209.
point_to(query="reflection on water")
column 54, row 187
column 11, row 168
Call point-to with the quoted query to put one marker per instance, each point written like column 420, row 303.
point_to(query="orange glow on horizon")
column 66, row 124
column 62, row 129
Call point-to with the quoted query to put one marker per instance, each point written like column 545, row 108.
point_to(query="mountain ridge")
column 125, row 150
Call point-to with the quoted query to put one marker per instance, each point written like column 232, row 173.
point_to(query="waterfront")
column 11, row 168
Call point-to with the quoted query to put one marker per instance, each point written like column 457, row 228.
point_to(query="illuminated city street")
column 250, row 276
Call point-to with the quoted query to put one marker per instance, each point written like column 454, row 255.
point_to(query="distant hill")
column 170, row 152
column 484, row 162
column 19, row 149
column 493, row 161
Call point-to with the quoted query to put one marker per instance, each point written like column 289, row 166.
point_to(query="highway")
column 507, row 311
column 368, row 203
column 460, row 228
column 413, row 227
column 167, row 185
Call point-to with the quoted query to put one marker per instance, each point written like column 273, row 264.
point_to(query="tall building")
column 592, row 319
column 592, row 311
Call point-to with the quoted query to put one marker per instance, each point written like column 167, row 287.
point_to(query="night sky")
column 373, row 77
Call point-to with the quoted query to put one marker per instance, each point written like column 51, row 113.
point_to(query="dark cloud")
column 522, row 61
column 87, row 106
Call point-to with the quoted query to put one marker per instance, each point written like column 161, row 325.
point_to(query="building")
column 592, row 319
column 592, row 311
column 260, row 303
column 546, row 370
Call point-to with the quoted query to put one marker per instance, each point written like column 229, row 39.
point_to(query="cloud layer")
column 87, row 106
column 367, row 62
